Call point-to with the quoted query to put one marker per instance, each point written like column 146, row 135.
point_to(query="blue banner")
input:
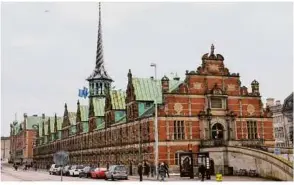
column 83, row 92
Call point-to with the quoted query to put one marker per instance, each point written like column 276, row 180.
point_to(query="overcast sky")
column 46, row 56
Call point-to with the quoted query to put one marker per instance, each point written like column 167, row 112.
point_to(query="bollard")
column 219, row 177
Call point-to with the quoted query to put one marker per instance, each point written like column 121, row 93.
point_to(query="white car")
column 75, row 170
column 55, row 169
column 116, row 172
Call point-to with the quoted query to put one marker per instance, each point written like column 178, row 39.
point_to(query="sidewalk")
column 171, row 178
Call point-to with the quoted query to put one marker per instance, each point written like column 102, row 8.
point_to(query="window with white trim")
column 179, row 130
column 252, row 129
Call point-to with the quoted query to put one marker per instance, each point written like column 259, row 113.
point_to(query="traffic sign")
column 61, row 158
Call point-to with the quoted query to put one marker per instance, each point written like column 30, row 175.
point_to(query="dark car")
column 86, row 172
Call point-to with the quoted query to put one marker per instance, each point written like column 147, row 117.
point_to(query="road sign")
column 61, row 158
column 277, row 151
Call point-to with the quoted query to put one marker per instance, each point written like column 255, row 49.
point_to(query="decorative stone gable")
column 231, row 87
column 130, row 89
column 197, row 85
column 250, row 109
column 65, row 122
column 178, row 107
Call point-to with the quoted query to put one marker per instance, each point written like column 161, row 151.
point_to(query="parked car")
column 116, row 172
column 54, row 169
column 66, row 170
column 86, row 172
column 98, row 173
column 75, row 170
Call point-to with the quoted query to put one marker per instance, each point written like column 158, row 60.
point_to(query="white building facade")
column 283, row 125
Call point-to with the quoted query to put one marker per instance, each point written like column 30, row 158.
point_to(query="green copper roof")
column 33, row 120
column 16, row 128
column 46, row 126
column 52, row 120
column 99, row 104
column 40, row 128
column 147, row 89
column 174, row 84
column 59, row 123
column 72, row 118
column 84, row 112
column 118, row 99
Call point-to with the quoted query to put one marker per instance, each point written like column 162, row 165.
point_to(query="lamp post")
column 155, row 123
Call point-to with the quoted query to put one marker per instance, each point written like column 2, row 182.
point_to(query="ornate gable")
column 65, row 122
column 212, row 64
column 130, row 89
column 216, row 90
column 55, row 124
column 108, row 103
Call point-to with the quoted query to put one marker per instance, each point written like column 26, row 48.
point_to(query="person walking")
column 202, row 171
column 162, row 171
column 152, row 169
column 140, row 171
column 166, row 169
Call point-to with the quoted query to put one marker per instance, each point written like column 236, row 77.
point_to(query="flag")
column 80, row 92
column 83, row 92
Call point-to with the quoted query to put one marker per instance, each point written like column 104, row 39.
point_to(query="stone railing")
column 257, row 144
column 213, row 143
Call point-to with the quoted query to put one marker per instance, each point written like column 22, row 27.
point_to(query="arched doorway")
column 217, row 131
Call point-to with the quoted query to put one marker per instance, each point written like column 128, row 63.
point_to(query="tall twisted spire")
column 99, row 71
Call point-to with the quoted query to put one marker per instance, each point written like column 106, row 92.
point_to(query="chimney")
column 270, row 102
column 165, row 84
column 278, row 102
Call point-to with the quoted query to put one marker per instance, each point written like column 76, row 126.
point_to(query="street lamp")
column 155, row 122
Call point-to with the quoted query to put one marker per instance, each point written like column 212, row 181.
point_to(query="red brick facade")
column 210, row 105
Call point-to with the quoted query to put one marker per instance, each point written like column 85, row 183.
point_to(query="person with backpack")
column 140, row 171
column 162, row 171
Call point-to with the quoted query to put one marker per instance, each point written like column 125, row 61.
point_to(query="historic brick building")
column 22, row 139
column 209, row 107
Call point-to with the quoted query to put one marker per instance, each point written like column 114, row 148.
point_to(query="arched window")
column 217, row 131
column 177, row 156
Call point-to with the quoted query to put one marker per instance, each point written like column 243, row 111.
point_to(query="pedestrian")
column 152, row 169
column 202, row 171
column 140, row 171
column 162, row 171
column 166, row 169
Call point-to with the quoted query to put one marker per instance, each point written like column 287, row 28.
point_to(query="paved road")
column 9, row 174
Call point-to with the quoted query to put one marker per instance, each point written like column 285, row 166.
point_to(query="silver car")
column 116, row 172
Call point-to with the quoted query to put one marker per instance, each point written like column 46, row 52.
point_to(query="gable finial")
column 212, row 49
